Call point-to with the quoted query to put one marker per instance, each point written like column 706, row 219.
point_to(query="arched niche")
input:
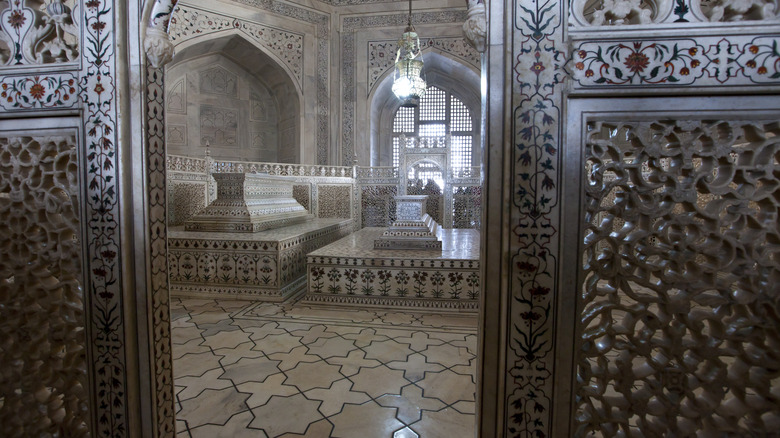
column 228, row 92
column 449, row 74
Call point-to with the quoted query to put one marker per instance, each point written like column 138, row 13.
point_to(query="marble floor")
column 245, row 369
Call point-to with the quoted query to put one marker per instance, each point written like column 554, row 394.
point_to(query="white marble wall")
column 214, row 100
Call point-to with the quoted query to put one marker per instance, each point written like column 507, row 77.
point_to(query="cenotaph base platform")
column 249, row 243
column 352, row 272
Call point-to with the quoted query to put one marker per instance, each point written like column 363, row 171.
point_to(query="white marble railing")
column 281, row 169
column 178, row 163
column 466, row 172
column 371, row 173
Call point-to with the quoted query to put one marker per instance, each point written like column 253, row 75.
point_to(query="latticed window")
column 438, row 114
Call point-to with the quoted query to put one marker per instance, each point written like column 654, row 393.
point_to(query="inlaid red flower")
column 37, row 91
column 17, row 19
column 637, row 62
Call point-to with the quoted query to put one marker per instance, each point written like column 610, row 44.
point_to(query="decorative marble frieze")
column 249, row 203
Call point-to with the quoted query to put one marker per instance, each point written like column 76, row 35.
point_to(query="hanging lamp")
column 409, row 84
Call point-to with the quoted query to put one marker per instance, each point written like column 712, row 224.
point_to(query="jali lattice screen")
column 43, row 381
column 680, row 323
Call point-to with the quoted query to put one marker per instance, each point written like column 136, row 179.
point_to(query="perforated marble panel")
column 334, row 201
column 43, row 381
column 302, row 194
column 186, row 199
column 377, row 205
column 467, row 207
column 680, row 323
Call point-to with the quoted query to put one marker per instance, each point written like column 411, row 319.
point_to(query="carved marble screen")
column 43, row 381
column 679, row 326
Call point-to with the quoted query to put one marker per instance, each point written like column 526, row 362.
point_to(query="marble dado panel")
column 381, row 54
column 44, row 383
column 706, row 61
column 269, row 265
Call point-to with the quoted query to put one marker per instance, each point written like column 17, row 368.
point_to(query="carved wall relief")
column 177, row 134
column 217, row 80
column 632, row 12
column 177, row 98
column 679, row 321
column 39, row 32
column 218, row 126
column 43, row 382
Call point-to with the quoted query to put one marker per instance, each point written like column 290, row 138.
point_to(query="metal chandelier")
column 409, row 84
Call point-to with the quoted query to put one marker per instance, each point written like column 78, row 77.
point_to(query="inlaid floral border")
column 703, row 61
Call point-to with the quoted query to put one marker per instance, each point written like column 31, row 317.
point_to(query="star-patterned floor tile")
column 330, row 347
column 419, row 341
column 307, row 376
column 446, row 423
column 250, row 370
column 313, row 333
column 365, row 337
column 352, row 421
column 379, row 381
column 447, row 355
column 201, row 409
column 351, row 364
column 240, row 351
column 415, row 367
column 387, row 351
column 447, row 386
column 236, row 427
column 226, row 339
column 286, row 414
column 195, row 364
column 336, row 396
column 193, row 386
column 246, row 367
column 297, row 355
column 261, row 392
column 410, row 403
column 283, row 343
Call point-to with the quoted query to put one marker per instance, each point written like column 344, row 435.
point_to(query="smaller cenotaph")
column 413, row 227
